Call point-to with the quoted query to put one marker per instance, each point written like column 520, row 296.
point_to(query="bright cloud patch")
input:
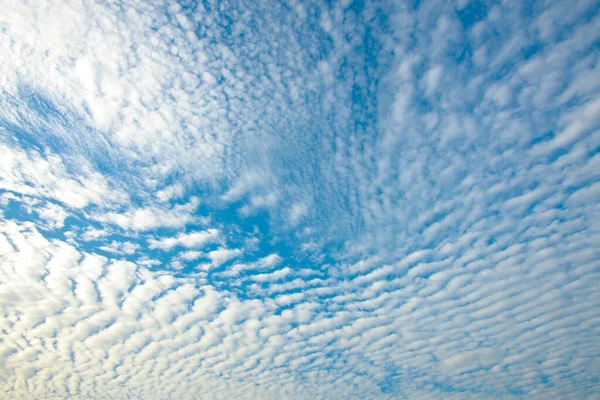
column 274, row 200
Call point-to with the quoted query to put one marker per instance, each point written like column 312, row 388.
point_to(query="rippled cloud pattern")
column 299, row 199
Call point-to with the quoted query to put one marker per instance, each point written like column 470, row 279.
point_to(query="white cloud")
column 172, row 192
column 296, row 213
column 119, row 314
column 92, row 233
column 273, row 276
column 501, row 94
column 265, row 263
column 147, row 218
column 222, row 255
column 432, row 78
column 32, row 174
column 188, row 240
column 191, row 255
column 7, row 197
column 51, row 215
column 115, row 247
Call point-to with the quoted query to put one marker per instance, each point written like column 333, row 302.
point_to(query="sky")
column 299, row 199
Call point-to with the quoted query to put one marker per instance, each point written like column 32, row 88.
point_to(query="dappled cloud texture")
column 296, row 199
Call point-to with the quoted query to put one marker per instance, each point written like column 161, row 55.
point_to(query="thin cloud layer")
column 300, row 200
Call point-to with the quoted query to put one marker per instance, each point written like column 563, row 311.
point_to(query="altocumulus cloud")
column 348, row 199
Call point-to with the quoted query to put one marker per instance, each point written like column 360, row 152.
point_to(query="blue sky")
column 300, row 199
